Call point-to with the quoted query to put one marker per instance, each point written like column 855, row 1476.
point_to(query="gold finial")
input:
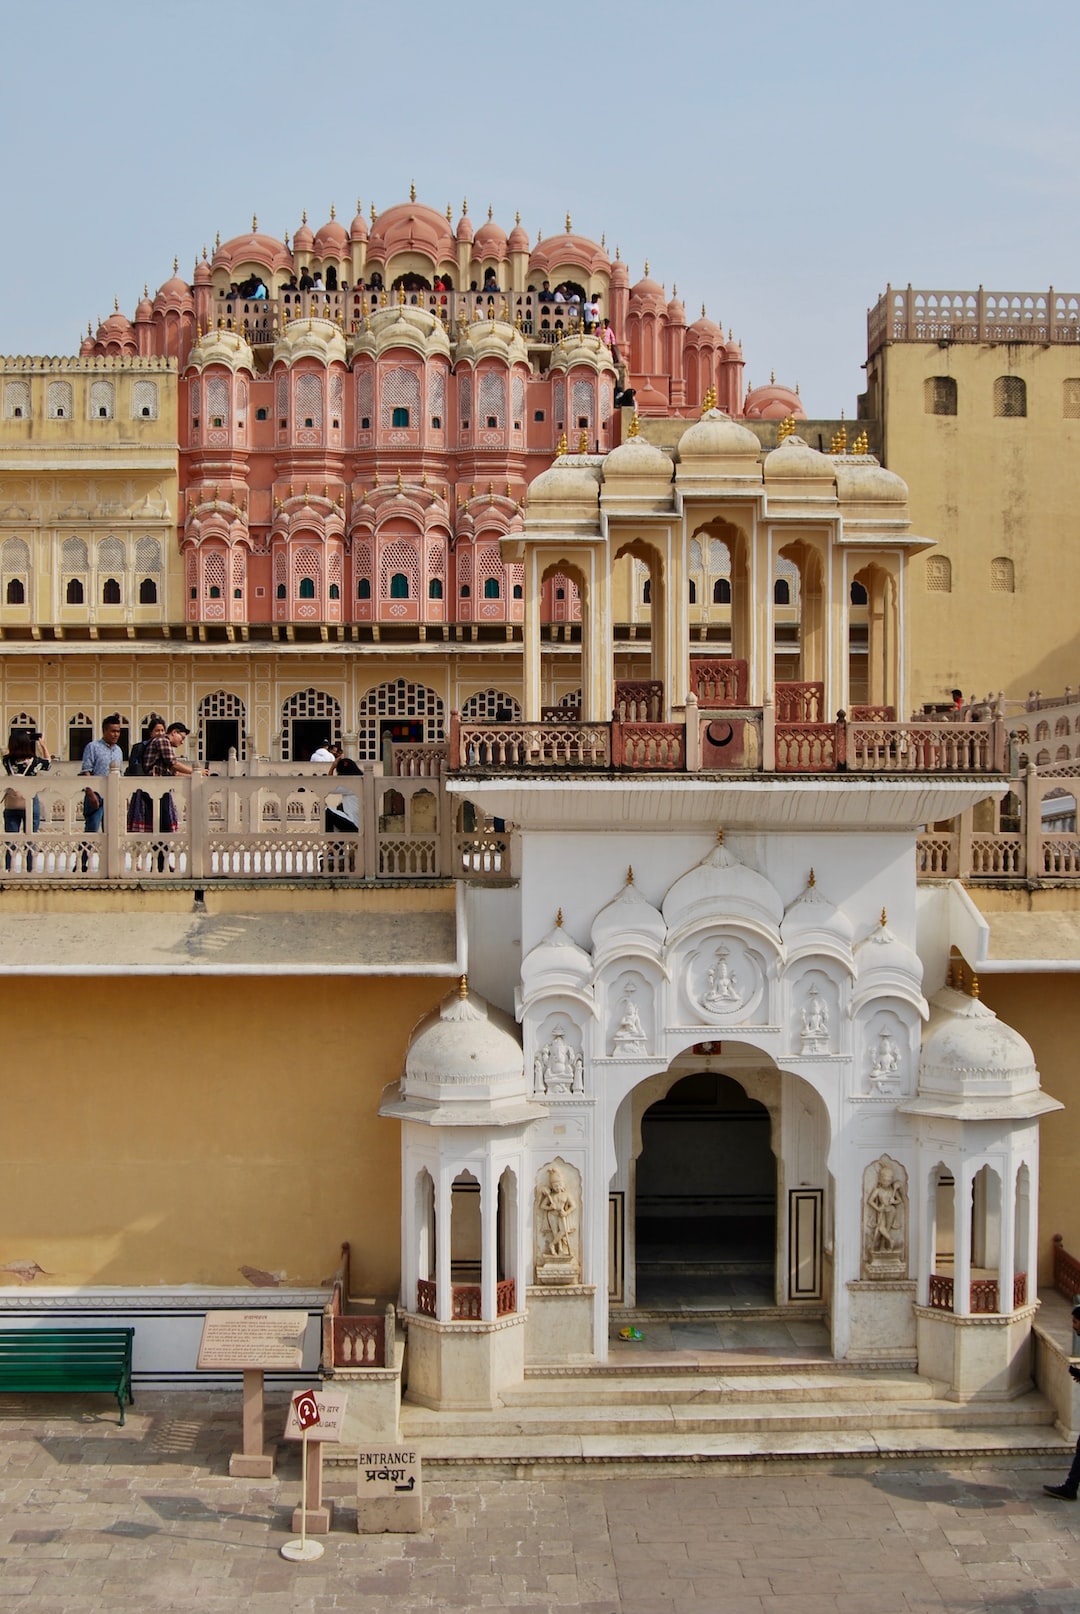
column 558, row 919
column 89, row 329
column 303, row 216
column 772, row 378
column 449, row 214
column 813, row 879
column 333, row 212
column 116, row 305
column 884, row 919
column 635, row 425
column 175, row 265
column 504, row 311
column 286, row 240
column 401, row 296
column 372, row 214
column 562, row 445
column 412, row 191
column 539, row 236
column 517, row 216
column 254, row 223
column 618, row 252
column 974, row 985
column 720, row 836
column 674, row 289
column 359, row 204
column 839, row 439
column 646, row 265
column 465, row 206
column 861, row 444
column 217, row 239
column 603, row 240
column 630, row 874
column 569, row 225
column 797, row 389
column 507, row 490
column 472, row 490
column 377, row 483
column 489, row 213
column 476, row 313
column 583, row 443
column 786, row 428
column 463, row 988
column 517, row 322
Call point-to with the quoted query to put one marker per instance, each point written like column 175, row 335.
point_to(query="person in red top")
column 161, row 761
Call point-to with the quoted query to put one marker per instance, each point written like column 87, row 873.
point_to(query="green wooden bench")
column 69, row 1359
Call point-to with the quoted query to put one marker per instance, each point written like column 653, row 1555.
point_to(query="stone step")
column 826, row 1419
column 742, row 1452
column 702, row 1388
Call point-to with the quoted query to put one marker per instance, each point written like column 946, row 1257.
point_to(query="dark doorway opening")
column 705, row 1199
column 308, row 734
column 220, row 735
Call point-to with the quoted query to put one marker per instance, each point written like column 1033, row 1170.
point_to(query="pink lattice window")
column 309, row 402
column 558, row 398
column 583, row 405
column 214, row 576
column 217, row 401
column 337, row 397
column 518, row 395
column 281, row 394
column 399, row 560
column 365, row 398
column 400, row 392
column 437, row 396
column 465, row 400
column 491, row 400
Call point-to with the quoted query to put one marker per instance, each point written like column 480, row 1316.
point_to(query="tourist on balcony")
column 162, row 761
column 259, row 292
column 306, row 281
column 545, row 294
column 98, row 757
column 342, row 763
column 331, row 279
column 26, row 755
column 1068, row 1491
column 317, row 282
column 608, row 335
column 592, row 315
column 322, row 753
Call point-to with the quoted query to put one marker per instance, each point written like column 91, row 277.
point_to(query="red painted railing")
column 360, row 1342
column 466, row 1304
column 984, row 1293
column 719, row 681
column 1066, row 1270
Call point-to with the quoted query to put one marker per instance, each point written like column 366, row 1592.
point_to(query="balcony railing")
column 983, row 1293
column 253, row 828
column 466, row 1303
column 973, row 316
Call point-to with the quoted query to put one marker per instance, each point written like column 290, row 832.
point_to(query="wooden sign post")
column 252, row 1342
column 314, row 1515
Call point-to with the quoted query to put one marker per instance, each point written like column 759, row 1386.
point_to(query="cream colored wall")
column 89, row 478
column 1045, row 1009
column 985, row 487
column 174, row 1131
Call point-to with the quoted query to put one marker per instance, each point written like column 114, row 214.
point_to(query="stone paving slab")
column 95, row 1519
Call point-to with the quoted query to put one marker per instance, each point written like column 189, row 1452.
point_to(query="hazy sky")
column 778, row 162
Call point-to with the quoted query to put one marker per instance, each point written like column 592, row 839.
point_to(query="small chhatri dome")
column 638, row 457
column 465, row 1050
column 332, row 237
column 627, row 920
column 490, row 239
column 303, row 238
column 974, row 1067
column 717, row 436
column 519, row 236
column 773, row 402
column 358, row 230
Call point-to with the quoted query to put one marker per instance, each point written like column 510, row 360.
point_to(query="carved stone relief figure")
column 558, row 1067
column 885, row 1220
column 629, row 1035
column 556, row 1218
column 814, row 1035
column 723, row 987
column 884, row 1058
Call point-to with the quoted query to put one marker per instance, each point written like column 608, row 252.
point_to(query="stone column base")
column 559, row 1326
column 882, row 1320
column 983, row 1358
column 462, row 1366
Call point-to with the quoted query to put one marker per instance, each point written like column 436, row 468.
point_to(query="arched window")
column 519, row 592
column 363, row 588
column 1002, row 575
column 721, row 593
column 148, row 591
column 491, row 588
column 399, row 417
column 399, row 586
column 939, row 395
column 434, row 589
column 334, row 591
column 280, row 593
column 16, row 593
column 110, row 593
column 693, row 592
column 781, row 592
column 60, row 400
column 938, row 574
column 74, row 594
column 307, row 588
column 214, row 591
column 466, row 591
column 858, row 594
column 646, row 592
column 1070, row 398
column 1010, row 396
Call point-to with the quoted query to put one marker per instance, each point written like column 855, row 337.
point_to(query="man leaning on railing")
column 97, row 758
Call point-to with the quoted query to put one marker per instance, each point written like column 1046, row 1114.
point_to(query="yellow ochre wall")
column 167, row 1130
column 986, row 487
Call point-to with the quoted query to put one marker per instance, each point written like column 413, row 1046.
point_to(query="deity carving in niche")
column 555, row 1220
column 815, row 1024
column 723, row 990
column 885, row 1220
column 629, row 1034
column 884, row 1059
column 558, row 1067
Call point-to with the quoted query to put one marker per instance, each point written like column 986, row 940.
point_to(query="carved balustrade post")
column 693, row 734
column 198, row 809
column 1032, row 810
column 111, row 860
column 768, row 734
column 965, row 826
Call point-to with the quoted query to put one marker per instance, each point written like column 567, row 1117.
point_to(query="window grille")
column 1070, row 400
column 103, row 400
column 60, row 400
column 938, row 574
column 1002, row 575
column 1010, row 397
column 397, row 699
column 309, row 400
column 491, row 400
column 939, row 395
column 16, row 400
column 144, row 400
column 400, row 390
column 491, row 706
column 308, row 703
column 217, row 400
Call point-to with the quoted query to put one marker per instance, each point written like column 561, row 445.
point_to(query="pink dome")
column 620, row 276
column 145, row 310
column 358, row 230
column 519, row 237
column 676, row 311
column 773, row 402
column 202, row 271
column 490, row 240
column 464, row 229
column 175, row 293
column 332, row 239
column 568, row 249
column 733, row 349
column 705, row 329
column 265, row 250
column 647, row 290
column 117, row 328
column 303, row 240
column 411, row 227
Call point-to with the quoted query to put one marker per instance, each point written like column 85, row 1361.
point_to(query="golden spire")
column 786, row 428
column 401, row 296
column 559, row 919
column 839, row 439
column 630, row 874
column 618, row 252
column 333, row 213
column 813, row 879
column 303, row 216
column 646, row 266
column 583, row 442
column 372, row 215
column 635, row 425
column 772, row 378
column 490, row 214
column 449, row 214
column 400, row 484
column 254, row 223
column 569, row 225
column 116, row 305
column 286, row 239
column 703, row 310
column 463, row 987
column 861, row 444
column 720, row 836
column 217, row 239
column 359, row 204
column 175, row 265
column 562, row 445
column 884, row 919
column 465, row 206
column 517, row 216
column 412, row 191
column 974, row 985
column 603, row 240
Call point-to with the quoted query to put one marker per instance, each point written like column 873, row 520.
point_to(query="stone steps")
column 660, row 1387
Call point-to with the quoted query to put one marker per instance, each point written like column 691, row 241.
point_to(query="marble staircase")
column 757, row 1399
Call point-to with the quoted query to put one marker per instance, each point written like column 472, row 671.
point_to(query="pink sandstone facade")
column 355, row 453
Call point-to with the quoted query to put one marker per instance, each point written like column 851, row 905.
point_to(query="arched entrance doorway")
column 705, row 1194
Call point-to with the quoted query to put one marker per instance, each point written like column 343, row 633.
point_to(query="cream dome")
column 464, row 1050
column 975, row 1067
column 717, row 436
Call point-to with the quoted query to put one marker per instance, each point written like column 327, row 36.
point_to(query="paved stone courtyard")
column 96, row 1519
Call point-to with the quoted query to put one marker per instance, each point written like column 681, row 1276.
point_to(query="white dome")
column 629, row 920
column 884, row 965
column 637, row 457
column 721, row 884
column 556, row 962
column 464, row 1050
column 717, row 436
column 813, row 924
column 974, row 1067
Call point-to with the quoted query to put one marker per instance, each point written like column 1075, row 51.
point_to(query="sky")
column 779, row 163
